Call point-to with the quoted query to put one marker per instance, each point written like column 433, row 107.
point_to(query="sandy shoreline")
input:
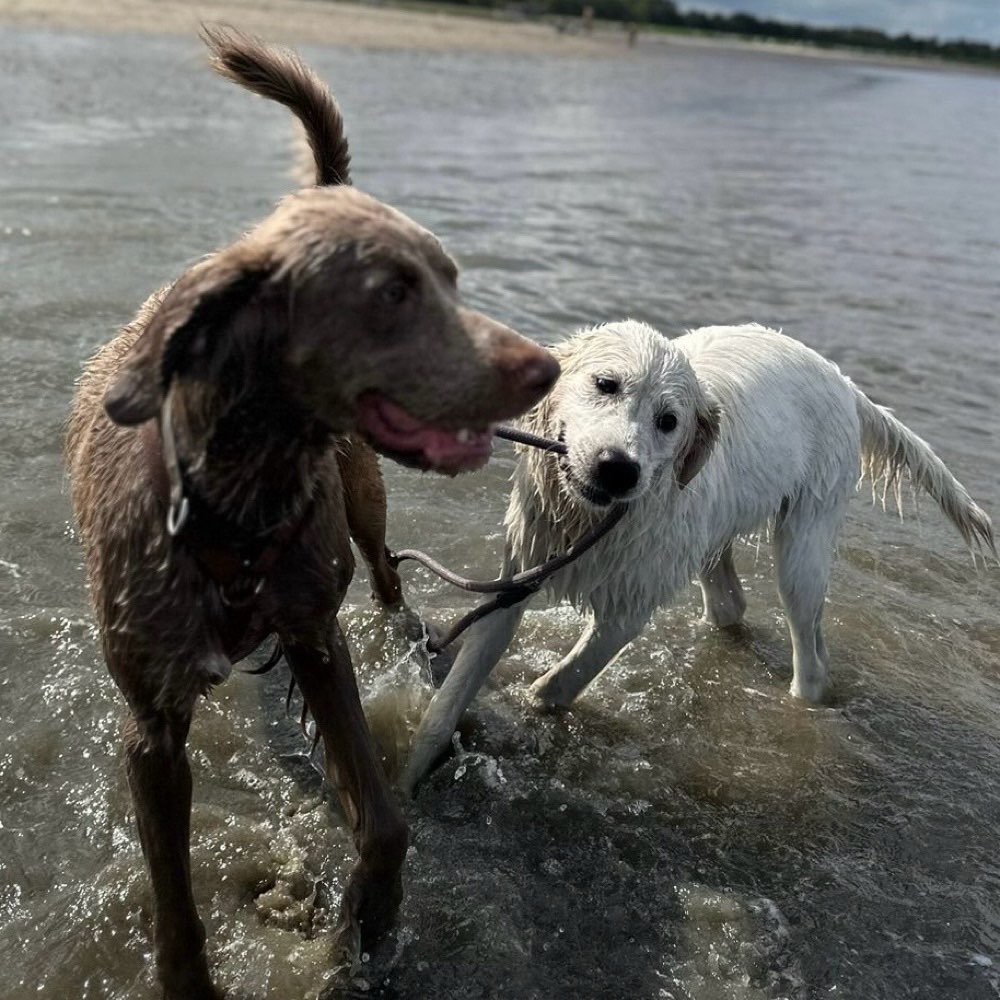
column 338, row 22
column 316, row 21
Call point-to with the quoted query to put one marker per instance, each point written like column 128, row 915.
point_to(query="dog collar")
column 237, row 560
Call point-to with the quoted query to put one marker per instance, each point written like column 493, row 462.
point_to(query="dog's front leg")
column 484, row 644
column 601, row 641
column 374, row 888
column 160, row 781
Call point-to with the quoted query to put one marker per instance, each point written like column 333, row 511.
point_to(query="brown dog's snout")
column 526, row 370
column 529, row 372
column 538, row 374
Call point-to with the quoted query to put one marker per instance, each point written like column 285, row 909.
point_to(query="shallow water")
column 687, row 831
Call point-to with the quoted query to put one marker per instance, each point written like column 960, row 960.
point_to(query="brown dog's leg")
column 374, row 888
column 160, row 780
column 364, row 499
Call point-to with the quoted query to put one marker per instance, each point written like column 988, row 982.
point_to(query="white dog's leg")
column 484, row 644
column 803, row 550
column 600, row 643
column 721, row 591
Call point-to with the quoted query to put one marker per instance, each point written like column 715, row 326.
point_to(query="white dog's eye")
column 608, row 386
column 666, row 422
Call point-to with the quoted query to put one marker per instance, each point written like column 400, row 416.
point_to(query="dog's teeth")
column 465, row 436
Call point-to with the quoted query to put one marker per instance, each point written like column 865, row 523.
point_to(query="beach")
column 315, row 21
column 388, row 27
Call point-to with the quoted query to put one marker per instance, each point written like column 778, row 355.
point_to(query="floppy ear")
column 179, row 337
column 706, row 432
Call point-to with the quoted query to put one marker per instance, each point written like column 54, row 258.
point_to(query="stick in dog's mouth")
column 407, row 439
column 518, row 436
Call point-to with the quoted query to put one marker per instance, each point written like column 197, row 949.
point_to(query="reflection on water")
column 686, row 831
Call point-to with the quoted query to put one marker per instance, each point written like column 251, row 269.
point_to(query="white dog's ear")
column 706, row 431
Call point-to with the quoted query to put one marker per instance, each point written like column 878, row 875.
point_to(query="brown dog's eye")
column 394, row 293
column 666, row 422
column 605, row 385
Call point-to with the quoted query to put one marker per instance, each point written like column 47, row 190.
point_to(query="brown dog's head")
column 346, row 311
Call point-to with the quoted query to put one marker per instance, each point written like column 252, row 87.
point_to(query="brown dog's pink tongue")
column 390, row 426
column 392, row 414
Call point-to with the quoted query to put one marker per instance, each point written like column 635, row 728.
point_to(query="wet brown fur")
column 263, row 350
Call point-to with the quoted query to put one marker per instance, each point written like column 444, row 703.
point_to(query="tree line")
column 666, row 14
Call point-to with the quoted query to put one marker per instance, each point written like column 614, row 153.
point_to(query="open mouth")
column 594, row 495
column 414, row 442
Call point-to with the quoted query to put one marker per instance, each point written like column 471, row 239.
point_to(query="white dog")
column 711, row 436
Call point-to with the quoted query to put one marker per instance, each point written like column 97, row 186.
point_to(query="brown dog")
column 218, row 475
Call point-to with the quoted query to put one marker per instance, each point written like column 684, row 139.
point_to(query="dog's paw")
column 346, row 948
column 545, row 697
column 367, row 910
column 194, row 984
column 724, row 615
column 407, row 622
column 811, row 690
column 420, row 631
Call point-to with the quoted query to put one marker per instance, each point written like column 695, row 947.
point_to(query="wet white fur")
column 792, row 438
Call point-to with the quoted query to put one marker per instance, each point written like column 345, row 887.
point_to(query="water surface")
column 687, row 831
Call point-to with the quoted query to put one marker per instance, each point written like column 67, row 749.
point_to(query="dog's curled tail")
column 280, row 75
column 889, row 448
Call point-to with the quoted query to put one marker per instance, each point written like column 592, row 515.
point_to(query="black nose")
column 616, row 473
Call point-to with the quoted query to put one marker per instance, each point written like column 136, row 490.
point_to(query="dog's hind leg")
column 374, row 887
column 803, row 552
column 364, row 500
column 600, row 643
column 721, row 591
column 159, row 778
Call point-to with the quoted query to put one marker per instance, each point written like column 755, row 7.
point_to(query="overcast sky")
column 976, row 19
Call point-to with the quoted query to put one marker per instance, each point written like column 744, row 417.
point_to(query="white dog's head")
column 630, row 409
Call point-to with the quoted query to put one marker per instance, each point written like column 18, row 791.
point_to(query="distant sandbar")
column 316, row 21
